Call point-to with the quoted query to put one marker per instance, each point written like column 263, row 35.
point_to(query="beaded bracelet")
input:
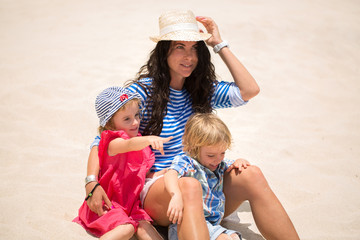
column 92, row 191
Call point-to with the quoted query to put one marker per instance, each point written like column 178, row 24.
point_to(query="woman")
column 178, row 80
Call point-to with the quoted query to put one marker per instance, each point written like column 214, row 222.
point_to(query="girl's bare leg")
column 146, row 231
column 122, row 232
column 269, row 215
column 193, row 225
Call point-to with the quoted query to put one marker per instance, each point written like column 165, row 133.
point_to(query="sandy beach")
column 302, row 130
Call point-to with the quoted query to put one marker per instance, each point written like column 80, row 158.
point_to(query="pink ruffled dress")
column 122, row 177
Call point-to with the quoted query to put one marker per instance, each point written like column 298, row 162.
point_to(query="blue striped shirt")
column 211, row 183
column 179, row 109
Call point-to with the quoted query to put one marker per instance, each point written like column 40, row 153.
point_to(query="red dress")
column 122, row 177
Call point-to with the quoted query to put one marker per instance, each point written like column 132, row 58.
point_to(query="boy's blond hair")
column 204, row 129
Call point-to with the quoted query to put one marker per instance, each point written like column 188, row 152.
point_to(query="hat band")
column 177, row 27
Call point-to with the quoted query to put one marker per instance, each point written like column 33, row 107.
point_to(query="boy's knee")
column 190, row 187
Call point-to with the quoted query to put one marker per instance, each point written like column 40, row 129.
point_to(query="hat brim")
column 182, row 36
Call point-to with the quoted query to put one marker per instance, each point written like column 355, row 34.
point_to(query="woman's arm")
column 99, row 195
column 175, row 209
column 242, row 78
column 93, row 162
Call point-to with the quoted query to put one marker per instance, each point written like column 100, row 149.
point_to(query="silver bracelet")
column 89, row 179
column 221, row 45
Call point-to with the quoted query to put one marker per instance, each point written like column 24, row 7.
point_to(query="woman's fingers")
column 211, row 28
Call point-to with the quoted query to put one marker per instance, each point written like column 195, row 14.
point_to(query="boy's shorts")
column 214, row 231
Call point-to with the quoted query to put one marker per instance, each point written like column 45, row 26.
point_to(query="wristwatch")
column 221, row 45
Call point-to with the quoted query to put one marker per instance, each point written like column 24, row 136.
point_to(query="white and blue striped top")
column 179, row 109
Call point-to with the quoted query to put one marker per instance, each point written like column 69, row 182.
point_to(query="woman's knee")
column 251, row 175
column 249, row 180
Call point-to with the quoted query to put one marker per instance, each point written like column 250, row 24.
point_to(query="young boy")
column 205, row 141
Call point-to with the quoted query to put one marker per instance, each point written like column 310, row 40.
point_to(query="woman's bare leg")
column 269, row 215
column 193, row 225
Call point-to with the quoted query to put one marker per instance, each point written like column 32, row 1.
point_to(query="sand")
column 302, row 129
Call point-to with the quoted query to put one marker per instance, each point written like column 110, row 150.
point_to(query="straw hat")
column 110, row 100
column 179, row 26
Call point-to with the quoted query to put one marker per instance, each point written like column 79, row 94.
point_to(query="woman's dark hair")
column 200, row 84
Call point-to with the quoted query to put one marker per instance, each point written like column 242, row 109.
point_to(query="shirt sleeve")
column 96, row 142
column 228, row 163
column 226, row 95
column 181, row 165
column 136, row 87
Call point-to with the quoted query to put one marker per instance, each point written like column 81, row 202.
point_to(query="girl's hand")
column 157, row 142
column 211, row 28
column 175, row 209
column 239, row 164
column 95, row 202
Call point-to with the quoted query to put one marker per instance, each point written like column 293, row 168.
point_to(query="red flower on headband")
column 124, row 97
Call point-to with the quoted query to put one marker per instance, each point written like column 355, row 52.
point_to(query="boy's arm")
column 156, row 174
column 171, row 182
column 175, row 209
column 238, row 164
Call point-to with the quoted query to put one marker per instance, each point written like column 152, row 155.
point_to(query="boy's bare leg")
column 193, row 225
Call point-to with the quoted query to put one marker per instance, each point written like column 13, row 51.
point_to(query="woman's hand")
column 211, row 28
column 242, row 78
column 95, row 202
column 175, row 209
column 239, row 164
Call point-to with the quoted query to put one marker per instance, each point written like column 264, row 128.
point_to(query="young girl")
column 124, row 160
column 205, row 140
